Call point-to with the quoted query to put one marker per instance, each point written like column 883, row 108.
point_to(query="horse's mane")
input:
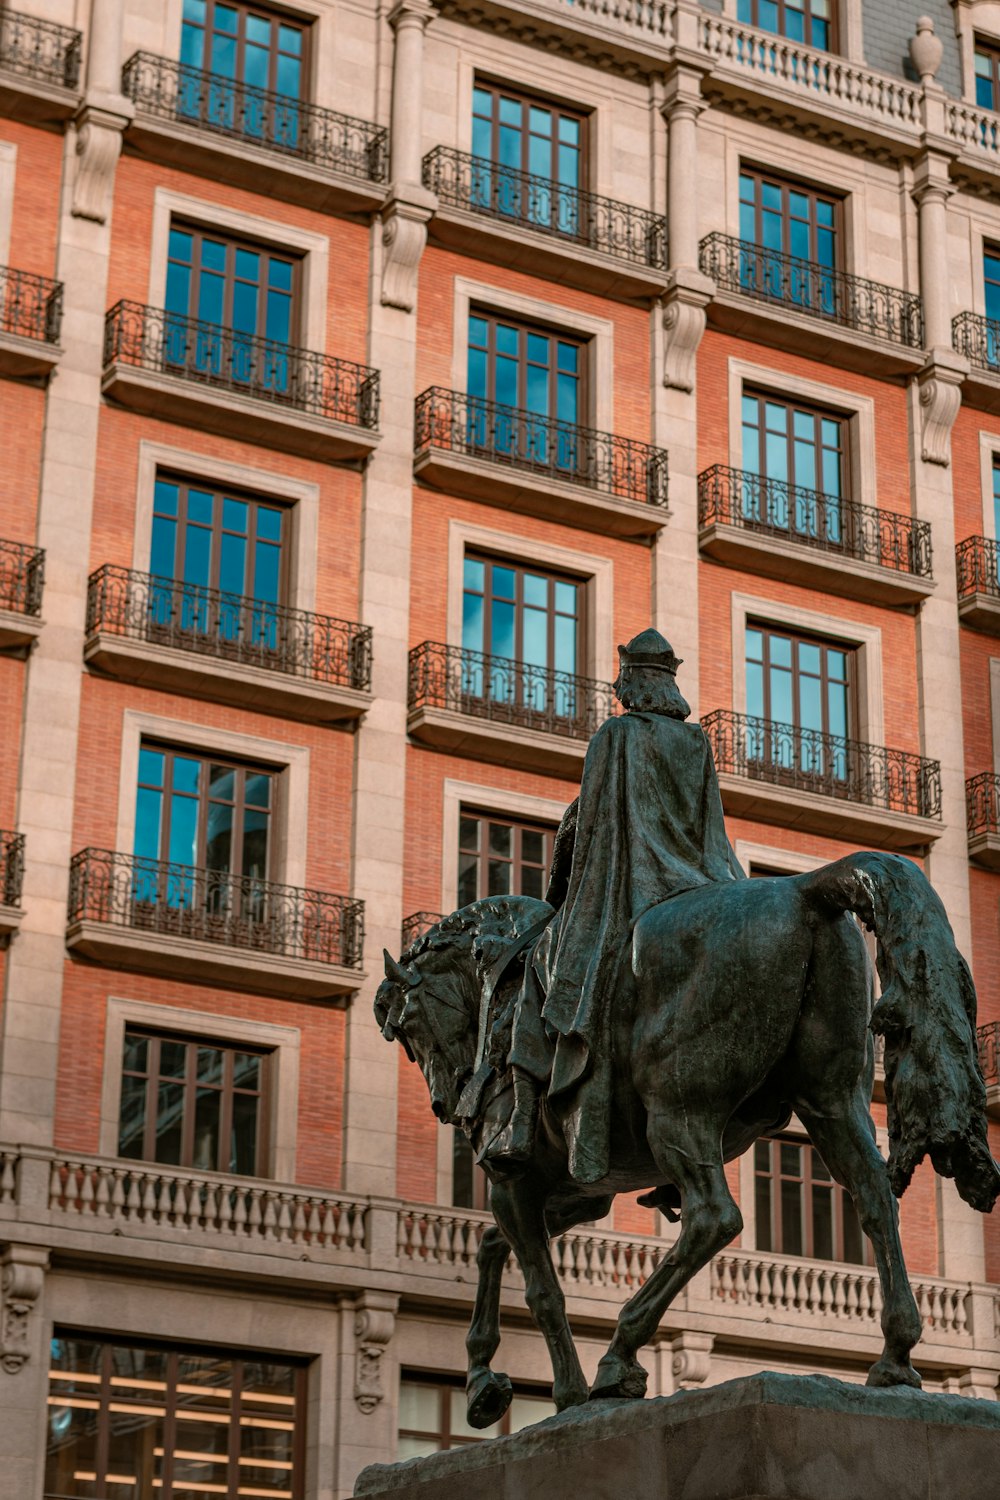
column 488, row 926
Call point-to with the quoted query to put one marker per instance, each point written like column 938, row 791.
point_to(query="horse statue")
column 735, row 1004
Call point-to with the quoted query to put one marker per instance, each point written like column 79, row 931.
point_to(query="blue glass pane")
column 755, row 689
column 211, row 297
column 504, row 583
column 537, row 393
column 222, row 58
column 748, row 188
column 235, row 515
column 502, row 629
column 477, row 373
column 198, row 556
column 565, row 645
column 288, row 78
column 821, row 35
column 781, row 651
column 507, row 340
column 163, row 547
column 151, row 764
column 258, row 789
column 473, row 574
column 535, row 638
column 506, row 382
column 567, row 398
column 192, row 46
column 269, row 523
column 510, row 112
column 472, row 622
column 509, row 154
column 244, row 315
column 755, row 645
column 540, row 157
column 178, row 298
column 194, row 10
column 776, row 456
column 805, row 466
column 267, row 573
column 148, row 806
column 258, row 33
column 767, row 16
column 744, row 11
column 810, row 658
column 566, row 597
column 482, row 138
column 536, row 590
column 482, row 101
column 201, row 506
column 256, row 63
column 226, row 19
column 232, row 564
column 837, row 708
column 187, row 775
column 781, row 696
column 795, row 25
column 183, row 845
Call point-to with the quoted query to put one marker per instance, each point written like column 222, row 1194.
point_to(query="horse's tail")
column 933, row 1083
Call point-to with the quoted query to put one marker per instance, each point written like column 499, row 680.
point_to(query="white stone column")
column 409, row 205
column 23, row 1370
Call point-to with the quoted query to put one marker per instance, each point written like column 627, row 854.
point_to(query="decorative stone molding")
column 926, row 50
column 940, row 388
column 374, row 1324
column 21, row 1285
column 404, row 235
column 688, row 294
column 98, row 146
column 692, row 1359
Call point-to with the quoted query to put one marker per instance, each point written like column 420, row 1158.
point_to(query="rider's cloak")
column 650, row 825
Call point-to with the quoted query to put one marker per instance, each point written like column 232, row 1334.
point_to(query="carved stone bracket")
column 21, row 1282
column 374, row 1323
column 404, row 235
column 692, row 1359
column 940, row 387
column 688, row 294
column 99, row 129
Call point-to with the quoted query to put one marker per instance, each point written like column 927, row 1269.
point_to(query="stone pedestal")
column 767, row 1437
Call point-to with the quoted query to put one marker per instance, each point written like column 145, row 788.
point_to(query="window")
column 533, row 369
column 160, row 1423
column 517, row 135
column 995, row 471
column 191, row 1103
column 799, row 1209
column 244, row 43
column 991, row 278
column 502, row 857
column 986, row 62
column 432, row 1416
column 235, row 285
column 794, row 232
column 801, row 688
column 809, row 21
column 793, row 451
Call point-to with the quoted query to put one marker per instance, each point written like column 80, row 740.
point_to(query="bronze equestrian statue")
column 659, row 1012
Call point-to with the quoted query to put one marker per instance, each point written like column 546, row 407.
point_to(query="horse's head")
column 428, row 1003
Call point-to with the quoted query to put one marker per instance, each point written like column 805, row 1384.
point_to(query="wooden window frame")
column 220, row 493
column 191, row 1085
column 516, row 863
column 807, row 1181
column 526, row 99
column 243, row 768
column 234, row 242
column 558, row 335
column 463, row 1159
column 833, row 47
column 819, row 415
column 553, row 576
column 797, row 637
column 762, row 175
column 302, row 24
column 984, row 47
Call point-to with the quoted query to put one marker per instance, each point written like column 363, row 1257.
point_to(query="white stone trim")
column 786, row 860
column 995, row 711
column 859, row 410
column 597, row 573
column 292, row 830
column 8, row 172
column 492, row 799
column 304, row 499
column 989, row 447
column 868, row 638
column 600, row 332
column 972, row 16
column 283, row 1082
column 314, row 248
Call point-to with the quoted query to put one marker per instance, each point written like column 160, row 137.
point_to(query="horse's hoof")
column 886, row 1372
column 487, row 1398
column 617, row 1380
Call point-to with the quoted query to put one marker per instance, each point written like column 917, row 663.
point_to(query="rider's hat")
column 649, row 650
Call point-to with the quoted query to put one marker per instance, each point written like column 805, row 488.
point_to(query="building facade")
column 368, row 370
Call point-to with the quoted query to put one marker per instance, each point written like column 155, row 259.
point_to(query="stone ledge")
column 765, row 1437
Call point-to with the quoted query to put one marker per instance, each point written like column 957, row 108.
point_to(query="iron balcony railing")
column 11, row 867
column 22, row 575
column 977, row 561
column 170, row 90
column 772, row 507
column 600, row 461
column 506, row 691
column 978, row 338
column 988, row 1037
column 40, row 49
column 231, row 627
column 209, row 354
column 215, row 906
column 415, row 925
column 30, row 306
column 982, row 804
column 547, row 207
column 829, row 764
column 805, row 286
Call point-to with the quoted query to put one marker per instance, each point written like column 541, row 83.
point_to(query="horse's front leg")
column 488, row 1394
column 519, row 1209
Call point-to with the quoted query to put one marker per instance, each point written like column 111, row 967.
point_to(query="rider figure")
column 647, row 825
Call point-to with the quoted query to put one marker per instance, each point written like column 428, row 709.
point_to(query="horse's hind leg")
column 488, row 1395
column 848, row 1148
column 709, row 1220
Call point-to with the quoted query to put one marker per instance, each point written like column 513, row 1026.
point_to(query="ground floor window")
column 800, row 1210
column 432, row 1415
column 138, row 1422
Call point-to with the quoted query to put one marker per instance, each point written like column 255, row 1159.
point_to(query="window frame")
column 983, row 46
column 172, row 751
column 792, row 184
column 526, row 98
column 839, row 1198
column 832, row 49
column 819, row 414
column 516, row 862
column 233, row 241
column 525, row 327
column 220, row 493
column 768, row 630
column 445, row 1386
column 274, row 14
column 553, row 576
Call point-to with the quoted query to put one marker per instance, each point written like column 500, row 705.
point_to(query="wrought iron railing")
column 805, row 286
column 507, row 691
column 167, row 612
column 170, row 90
column 734, row 497
column 22, row 575
column 829, row 764
column 982, row 804
column 11, row 867
column 978, row 338
column 415, row 925
column 206, row 353
column 988, row 1039
column 215, row 906
column 476, row 428
column 40, row 49
column 977, row 561
column 546, row 206
column 30, row 306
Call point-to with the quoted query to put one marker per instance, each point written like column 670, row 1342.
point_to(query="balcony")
column 212, row 926
column 825, row 783
column 39, row 68
column 982, row 810
column 539, row 466
column 507, row 712
column 977, row 561
column 22, row 574
column 231, row 649
column 30, row 321
column 812, row 309
column 415, row 925
column 540, row 225
column 267, row 142
column 206, row 376
column 817, row 540
column 11, row 882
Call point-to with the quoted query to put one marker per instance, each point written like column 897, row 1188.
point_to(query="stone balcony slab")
column 781, row 326
column 815, row 812
column 39, row 69
column 500, row 744
column 835, row 573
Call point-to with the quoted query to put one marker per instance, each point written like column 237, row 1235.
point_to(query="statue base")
column 765, row 1437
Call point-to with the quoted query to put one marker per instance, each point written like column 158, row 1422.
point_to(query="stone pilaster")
column 409, row 205
column 23, row 1369
column 368, row 1386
